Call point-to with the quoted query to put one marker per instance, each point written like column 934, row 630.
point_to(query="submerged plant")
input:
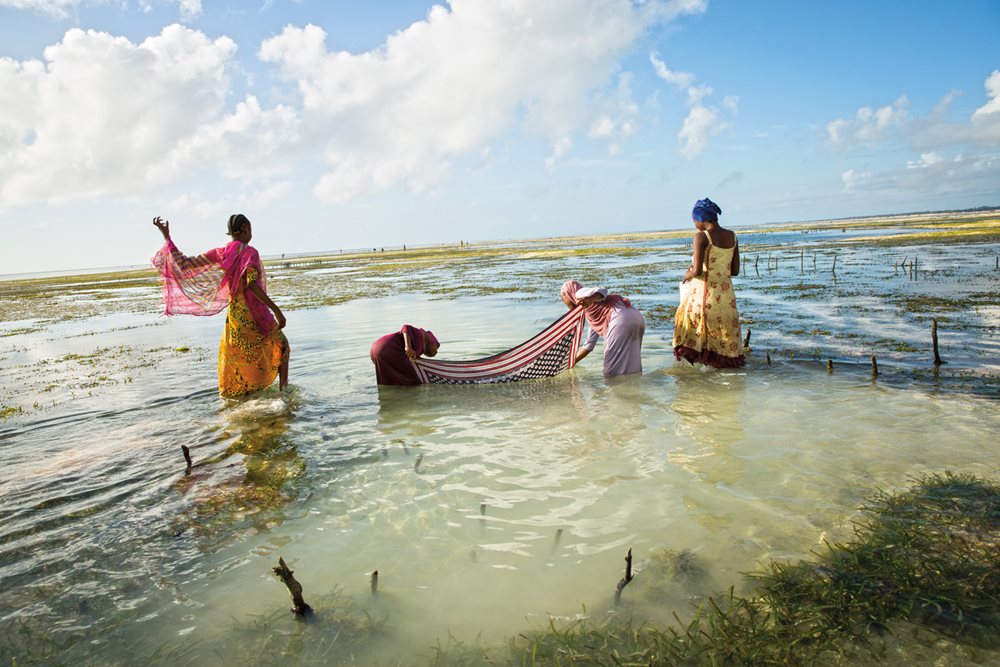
column 927, row 558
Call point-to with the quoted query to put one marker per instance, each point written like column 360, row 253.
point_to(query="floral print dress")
column 248, row 360
column 707, row 325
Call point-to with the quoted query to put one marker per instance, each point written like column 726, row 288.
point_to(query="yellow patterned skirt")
column 248, row 361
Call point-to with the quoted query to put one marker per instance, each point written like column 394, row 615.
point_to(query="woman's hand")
column 163, row 226
column 689, row 274
column 278, row 315
column 411, row 353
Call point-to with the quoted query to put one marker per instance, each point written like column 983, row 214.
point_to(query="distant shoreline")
column 892, row 219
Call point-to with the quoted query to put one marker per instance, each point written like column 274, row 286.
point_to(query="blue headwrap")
column 706, row 210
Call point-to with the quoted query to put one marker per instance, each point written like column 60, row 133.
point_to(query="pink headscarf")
column 569, row 290
column 205, row 284
column 598, row 314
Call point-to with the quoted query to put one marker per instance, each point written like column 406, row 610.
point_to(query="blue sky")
column 341, row 124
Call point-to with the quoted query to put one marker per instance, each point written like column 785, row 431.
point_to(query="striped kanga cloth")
column 544, row 355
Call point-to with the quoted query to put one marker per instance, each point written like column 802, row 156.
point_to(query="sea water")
column 485, row 509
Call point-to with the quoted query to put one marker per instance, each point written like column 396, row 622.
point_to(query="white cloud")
column 105, row 117
column 928, row 159
column 868, row 125
column 702, row 121
column 993, row 92
column 189, row 9
column 452, row 83
column 852, row 180
column 57, row 8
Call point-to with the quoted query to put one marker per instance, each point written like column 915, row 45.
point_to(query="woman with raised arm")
column 253, row 350
column 707, row 325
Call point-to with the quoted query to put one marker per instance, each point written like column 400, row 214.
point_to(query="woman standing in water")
column 613, row 317
column 391, row 355
column 253, row 350
column 707, row 325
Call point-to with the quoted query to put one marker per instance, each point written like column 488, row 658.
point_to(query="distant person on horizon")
column 614, row 317
column 391, row 355
column 253, row 350
column 707, row 324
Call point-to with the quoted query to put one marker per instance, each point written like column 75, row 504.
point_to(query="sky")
column 338, row 124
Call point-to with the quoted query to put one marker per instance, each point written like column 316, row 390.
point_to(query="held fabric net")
column 544, row 355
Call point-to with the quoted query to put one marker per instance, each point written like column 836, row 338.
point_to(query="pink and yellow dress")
column 707, row 325
column 252, row 348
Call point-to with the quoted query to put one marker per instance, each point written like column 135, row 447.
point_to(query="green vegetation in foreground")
column 925, row 561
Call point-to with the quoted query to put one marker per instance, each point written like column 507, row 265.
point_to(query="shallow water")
column 485, row 509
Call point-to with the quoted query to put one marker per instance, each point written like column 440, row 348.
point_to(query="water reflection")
column 250, row 482
column 709, row 408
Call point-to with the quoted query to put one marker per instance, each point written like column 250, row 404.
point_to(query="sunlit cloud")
column 456, row 81
column 702, row 121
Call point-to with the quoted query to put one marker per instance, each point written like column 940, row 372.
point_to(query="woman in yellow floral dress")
column 253, row 350
column 707, row 325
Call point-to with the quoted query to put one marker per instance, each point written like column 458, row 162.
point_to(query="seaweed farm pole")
column 802, row 259
column 834, row 269
column 746, row 340
column 623, row 582
column 874, row 367
column 374, row 582
column 299, row 606
column 937, row 357
column 829, row 365
column 767, row 355
column 187, row 455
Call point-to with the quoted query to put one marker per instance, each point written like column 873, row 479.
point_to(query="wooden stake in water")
column 874, row 367
column 187, row 455
column 374, row 582
column 768, row 356
column 746, row 340
column 937, row 357
column 416, row 464
column 802, row 259
column 834, row 269
column 299, row 606
column 623, row 582
column 829, row 365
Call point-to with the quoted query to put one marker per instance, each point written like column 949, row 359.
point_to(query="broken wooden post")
column 768, row 355
column 416, row 464
column 374, row 584
column 874, row 367
column 829, row 365
column 187, row 455
column 482, row 509
column 937, row 357
column 834, row 269
column 623, row 582
column 555, row 544
column 802, row 259
column 746, row 340
column 299, row 606
column 756, row 260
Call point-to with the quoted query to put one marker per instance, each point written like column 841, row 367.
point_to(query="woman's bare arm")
column 266, row 300
column 734, row 266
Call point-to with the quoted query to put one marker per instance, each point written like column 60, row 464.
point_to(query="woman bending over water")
column 253, row 350
column 391, row 354
column 707, row 326
column 613, row 317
